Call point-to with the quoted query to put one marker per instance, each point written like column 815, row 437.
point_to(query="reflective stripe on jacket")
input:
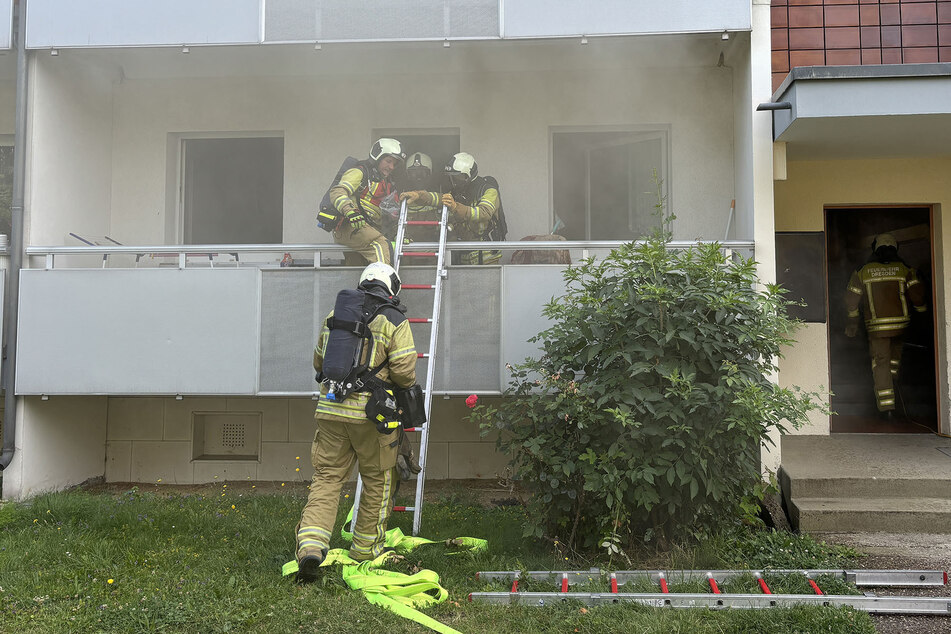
column 392, row 340
column 886, row 289
column 369, row 191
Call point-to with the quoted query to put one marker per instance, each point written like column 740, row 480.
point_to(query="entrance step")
column 891, row 515
column 867, row 482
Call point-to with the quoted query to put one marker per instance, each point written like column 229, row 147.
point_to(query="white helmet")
column 384, row 273
column 463, row 163
column 419, row 170
column 419, row 160
column 387, row 147
column 461, row 168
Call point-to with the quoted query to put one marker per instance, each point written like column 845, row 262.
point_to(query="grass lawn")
column 143, row 562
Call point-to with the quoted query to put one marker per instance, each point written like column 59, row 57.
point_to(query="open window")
column 232, row 190
column 603, row 182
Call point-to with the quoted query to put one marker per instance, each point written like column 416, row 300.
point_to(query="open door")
column 849, row 234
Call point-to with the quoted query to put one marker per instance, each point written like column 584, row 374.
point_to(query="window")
column 602, row 187
column 232, row 190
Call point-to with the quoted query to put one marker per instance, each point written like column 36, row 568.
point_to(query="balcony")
column 230, row 320
column 112, row 23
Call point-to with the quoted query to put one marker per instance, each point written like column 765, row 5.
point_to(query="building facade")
column 175, row 152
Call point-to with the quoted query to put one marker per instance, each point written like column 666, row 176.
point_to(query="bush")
column 644, row 416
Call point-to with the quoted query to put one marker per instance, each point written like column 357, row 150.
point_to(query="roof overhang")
column 850, row 112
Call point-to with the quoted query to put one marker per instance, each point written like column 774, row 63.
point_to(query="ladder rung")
column 419, row 254
column 420, row 428
column 422, row 355
column 404, row 509
column 422, row 223
column 417, row 287
column 420, row 320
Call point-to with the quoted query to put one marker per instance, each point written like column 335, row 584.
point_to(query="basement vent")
column 226, row 435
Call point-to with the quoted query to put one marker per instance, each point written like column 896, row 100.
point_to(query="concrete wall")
column 799, row 207
column 63, row 444
column 504, row 119
column 68, row 169
column 150, row 439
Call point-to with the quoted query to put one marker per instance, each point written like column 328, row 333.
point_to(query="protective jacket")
column 479, row 210
column 392, row 341
column 365, row 188
column 883, row 290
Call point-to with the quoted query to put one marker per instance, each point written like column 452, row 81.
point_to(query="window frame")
column 663, row 130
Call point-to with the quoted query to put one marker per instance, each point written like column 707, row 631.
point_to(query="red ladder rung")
column 422, row 355
column 420, row 320
column 404, row 509
column 713, row 583
column 420, row 428
column 417, row 287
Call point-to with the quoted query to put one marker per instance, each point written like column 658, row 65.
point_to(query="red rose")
column 471, row 401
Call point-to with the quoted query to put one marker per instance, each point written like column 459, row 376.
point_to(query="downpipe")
column 11, row 302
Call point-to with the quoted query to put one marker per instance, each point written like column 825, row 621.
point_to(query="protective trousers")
column 336, row 447
column 886, row 361
column 367, row 241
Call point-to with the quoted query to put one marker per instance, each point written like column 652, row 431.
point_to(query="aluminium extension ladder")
column 716, row 599
column 430, row 356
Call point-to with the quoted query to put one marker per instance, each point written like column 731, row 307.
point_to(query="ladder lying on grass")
column 563, row 580
column 430, row 356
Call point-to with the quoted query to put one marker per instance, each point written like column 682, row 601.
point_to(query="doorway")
column 849, row 235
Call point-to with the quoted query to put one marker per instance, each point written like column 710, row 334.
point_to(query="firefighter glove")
column 405, row 460
column 356, row 218
column 851, row 330
column 411, row 197
column 450, row 202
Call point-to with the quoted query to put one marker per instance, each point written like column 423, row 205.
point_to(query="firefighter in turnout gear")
column 360, row 195
column 883, row 288
column 345, row 434
column 475, row 208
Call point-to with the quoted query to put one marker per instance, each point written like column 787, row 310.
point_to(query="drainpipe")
column 16, row 249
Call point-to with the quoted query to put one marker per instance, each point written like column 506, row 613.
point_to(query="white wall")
column 59, row 443
column 503, row 117
column 69, row 165
column 805, row 364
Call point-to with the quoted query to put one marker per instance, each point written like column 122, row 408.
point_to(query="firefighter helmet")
column 387, row 147
column 461, row 169
column 419, row 169
column 383, row 273
column 884, row 240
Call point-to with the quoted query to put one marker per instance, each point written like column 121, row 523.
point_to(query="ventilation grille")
column 226, row 435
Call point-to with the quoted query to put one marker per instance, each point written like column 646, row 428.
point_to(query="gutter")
column 16, row 249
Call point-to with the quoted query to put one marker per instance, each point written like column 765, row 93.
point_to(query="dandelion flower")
column 110, row 581
column 232, row 506
column 159, row 480
column 282, row 484
column 297, row 458
column 297, row 469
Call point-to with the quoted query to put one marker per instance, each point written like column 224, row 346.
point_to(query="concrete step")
column 866, row 487
column 894, row 515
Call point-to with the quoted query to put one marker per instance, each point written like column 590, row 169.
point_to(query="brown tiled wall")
column 843, row 32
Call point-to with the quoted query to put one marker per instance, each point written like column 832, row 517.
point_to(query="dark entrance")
column 849, row 234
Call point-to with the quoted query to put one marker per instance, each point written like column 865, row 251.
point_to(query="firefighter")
column 360, row 196
column 475, row 208
column 417, row 180
column 883, row 288
column 346, row 435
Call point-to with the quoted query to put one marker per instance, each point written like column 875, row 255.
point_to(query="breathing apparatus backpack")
column 328, row 218
column 343, row 372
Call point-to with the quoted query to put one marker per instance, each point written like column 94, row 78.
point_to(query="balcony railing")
column 248, row 328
